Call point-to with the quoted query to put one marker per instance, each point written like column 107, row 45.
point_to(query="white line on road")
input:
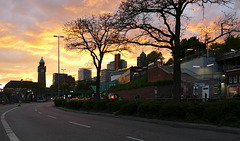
column 136, row 139
column 7, row 128
column 40, row 113
column 51, row 116
column 80, row 124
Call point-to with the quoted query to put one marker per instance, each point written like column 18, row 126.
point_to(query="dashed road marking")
column 132, row 138
column 52, row 117
column 86, row 126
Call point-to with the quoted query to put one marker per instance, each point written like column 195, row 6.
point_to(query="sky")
column 27, row 28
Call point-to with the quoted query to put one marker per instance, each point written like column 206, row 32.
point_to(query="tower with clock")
column 41, row 76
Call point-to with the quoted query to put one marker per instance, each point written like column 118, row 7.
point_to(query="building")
column 59, row 78
column 105, row 75
column 84, row 74
column 123, row 64
column 110, row 66
column 229, row 65
column 24, row 89
column 41, row 76
column 141, row 60
column 117, row 64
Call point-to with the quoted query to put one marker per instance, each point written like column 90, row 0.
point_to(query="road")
column 44, row 122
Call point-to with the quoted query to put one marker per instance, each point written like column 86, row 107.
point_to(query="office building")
column 141, row 60
column 117, row 64
column 105, row 75
column 84, row 74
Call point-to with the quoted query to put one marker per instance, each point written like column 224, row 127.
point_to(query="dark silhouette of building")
column 117, row 64
column 41, row 76
column 23, row 89
column 84, row 74
column 141, row 60
column 59, row 78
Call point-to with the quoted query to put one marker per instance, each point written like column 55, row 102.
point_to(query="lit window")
column 230, row 79
column 235, row 78
column 215, row 89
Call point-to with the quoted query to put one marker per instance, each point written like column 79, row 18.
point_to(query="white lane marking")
column 40, row 113
column 80, row 124
column 52, row 117
column 7, row 128
column 136, row 139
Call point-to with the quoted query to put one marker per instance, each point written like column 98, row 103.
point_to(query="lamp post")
column 58, row 62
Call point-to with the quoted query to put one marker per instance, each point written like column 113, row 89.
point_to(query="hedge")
column 219, row 112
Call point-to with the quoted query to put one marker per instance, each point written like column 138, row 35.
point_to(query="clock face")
column 42, row 70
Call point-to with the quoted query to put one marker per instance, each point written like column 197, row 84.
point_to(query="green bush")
column 150, row 109
column 74, row 104
column 129, row 108
column 59, row 102
column 218, row 113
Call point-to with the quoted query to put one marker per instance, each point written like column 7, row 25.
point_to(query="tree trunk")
column 98, row 83
column 176, row 56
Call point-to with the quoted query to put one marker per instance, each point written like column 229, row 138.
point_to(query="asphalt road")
column 44, row 122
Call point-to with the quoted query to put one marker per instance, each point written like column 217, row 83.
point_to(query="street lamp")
column 187, row 50
column 58, row 61
column 202, row 67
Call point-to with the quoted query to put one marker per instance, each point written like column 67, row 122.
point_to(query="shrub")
column 129, row 108
column 74, row 104
column 59, row 102
column 218, row 113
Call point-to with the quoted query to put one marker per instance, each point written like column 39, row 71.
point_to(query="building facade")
column 105, row 75
column 141, row 60
column 84, row 74
column 59, row 78
column 117, row 64
column 229, row 65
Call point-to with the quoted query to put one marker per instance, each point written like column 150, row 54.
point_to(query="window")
column 215, row 90
column 239, row 78
column 235, row 79
column 230, row 79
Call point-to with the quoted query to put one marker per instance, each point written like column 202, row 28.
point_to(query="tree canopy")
column 190, row 46
column 95, row 35
column 154, row 56
column 159, row 23
column 230, row 42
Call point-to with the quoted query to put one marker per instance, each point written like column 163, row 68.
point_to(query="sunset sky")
column 27, row 28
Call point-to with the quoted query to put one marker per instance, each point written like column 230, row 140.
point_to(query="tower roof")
column 42, row 61
column 143, row 54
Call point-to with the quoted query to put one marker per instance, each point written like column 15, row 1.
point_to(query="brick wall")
column 157, row 74
column 146, row 93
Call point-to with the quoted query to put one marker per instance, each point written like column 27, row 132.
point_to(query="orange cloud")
column 27, row 28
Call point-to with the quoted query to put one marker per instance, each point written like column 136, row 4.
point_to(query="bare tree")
column 94, row 35
column 158, row 23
